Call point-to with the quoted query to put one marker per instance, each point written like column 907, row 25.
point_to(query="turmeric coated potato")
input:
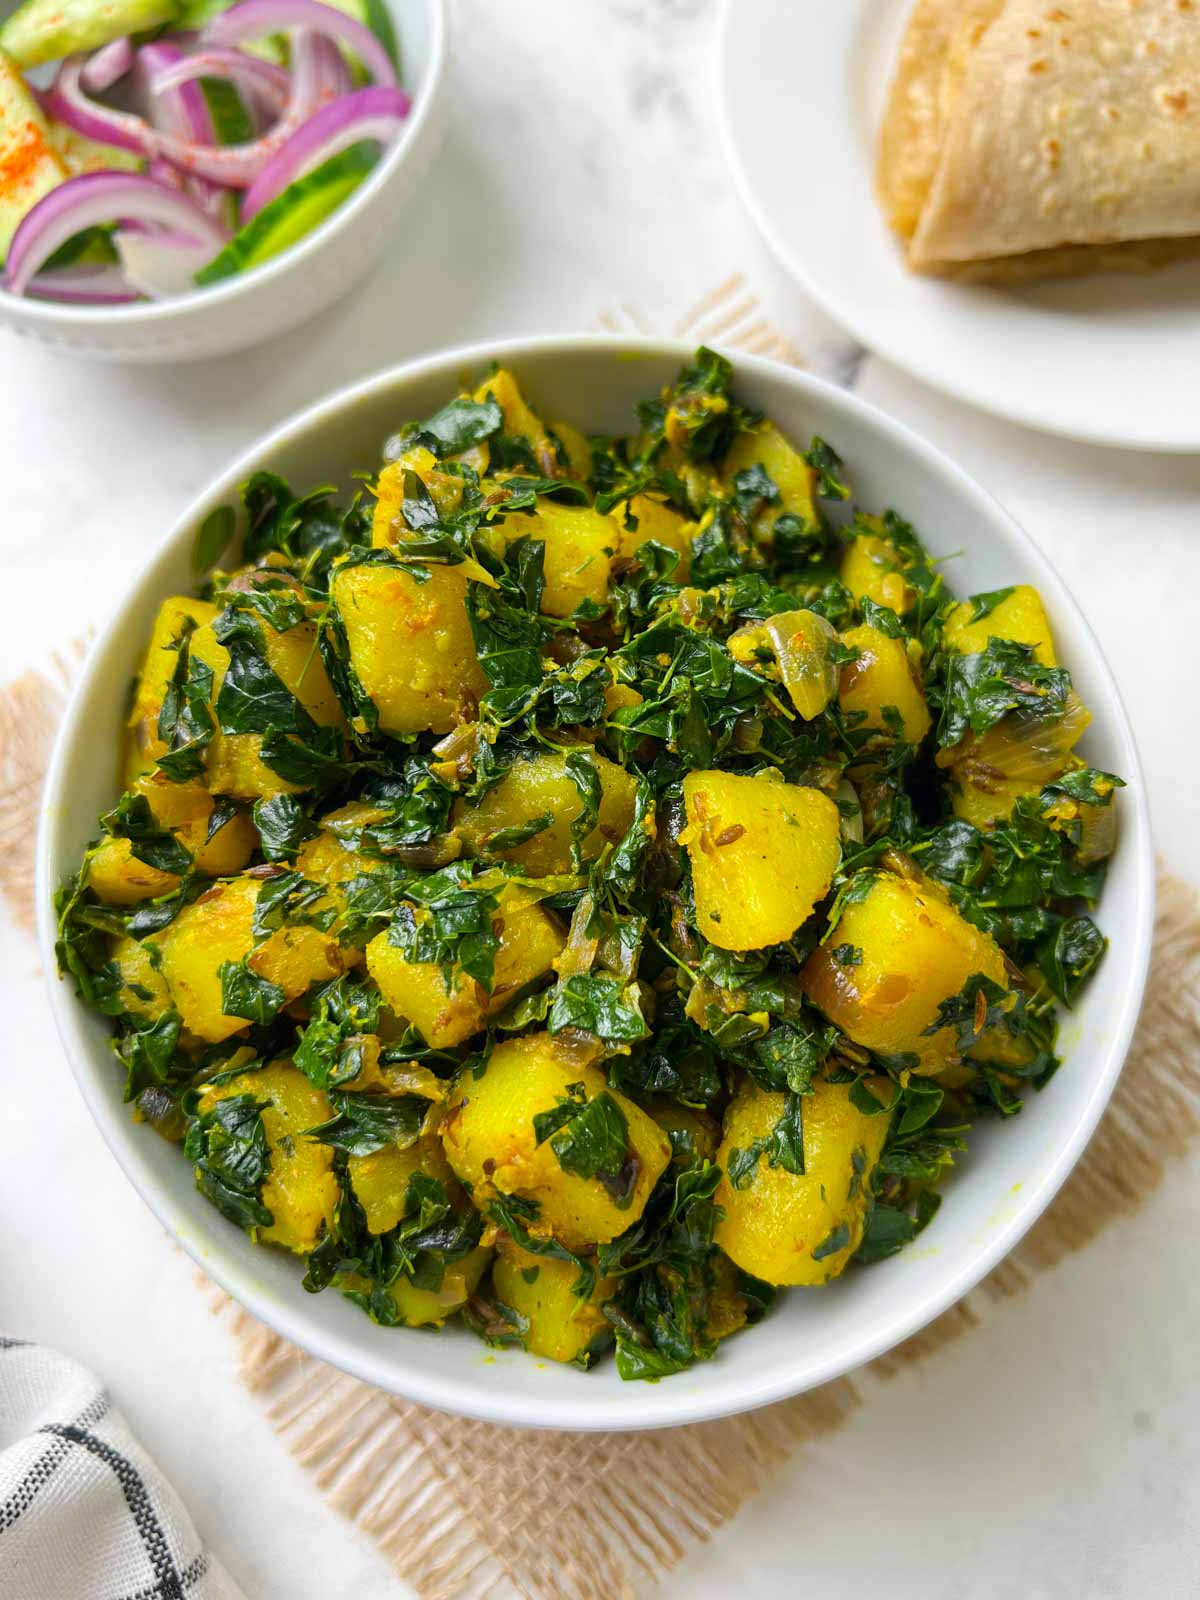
column 300, row 1191
column 872, row 569
column 787, row 469
column 429, row 1308
column 232, row 761
column 882, row 679
column 175, row 617
column 899, row 950
column 388, row 527
column 218, row 927
column 543, row 787
column 411, row 645
column 657, row 523
column 554, row 1321
column 763, row 854
column 1020, row 616
column 789, row 1228
column 519, row 420
column 580, row 545
column 448, row 1007
column 491, row 1144
column 121, row 879
column 143, row 988
column 380, row 1181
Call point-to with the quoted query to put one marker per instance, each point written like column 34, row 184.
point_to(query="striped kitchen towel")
column 84, row 1513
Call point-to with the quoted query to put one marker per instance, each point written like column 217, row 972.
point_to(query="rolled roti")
column 1026, row 138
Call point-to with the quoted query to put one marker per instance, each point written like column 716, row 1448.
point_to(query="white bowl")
column 293, row 286
column 1011, row 1172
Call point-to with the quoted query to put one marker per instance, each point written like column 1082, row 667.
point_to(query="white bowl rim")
column 32, row 312
column 222, row 1254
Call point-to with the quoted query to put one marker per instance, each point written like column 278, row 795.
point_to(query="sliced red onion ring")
column 161, row 264
column 101, row 285
column 181, row 110
column 95, row 198
column 253, row 18
column 105, row 66
column 333, row 75
column 262, row 79
column 367, row 114
column 68, row 103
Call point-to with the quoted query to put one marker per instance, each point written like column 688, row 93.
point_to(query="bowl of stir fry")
column 591, row 914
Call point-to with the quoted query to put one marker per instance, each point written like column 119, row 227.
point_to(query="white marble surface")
column 1052, row 1453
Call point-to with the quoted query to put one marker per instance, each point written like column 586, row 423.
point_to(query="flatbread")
column 1034, row 138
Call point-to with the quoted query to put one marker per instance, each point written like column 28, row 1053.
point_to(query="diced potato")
column 411, row 645
column 785, row 466
column 1021, row 617
column 659, row 523
column 325, row 859
column 162, row 655
column 990, row 772
column 388, row 528
column 909, row 950
column 578, row 450
column 580, row 546
column 429, row 1308
column 232, row 761
column 519, row 419
column 380, row 1180
column 872, row 568
column 672, row 1117
column 560, row 1326
column 446, row 1009
column 789, row 1228
column 883, row 677
column 301, row 1191
column 218, row 927
column 763, row 854
column 490, row 1141
column 143, row 988
column 29, row 165
column 801, row 644
column 541, row 787
column 120, row 879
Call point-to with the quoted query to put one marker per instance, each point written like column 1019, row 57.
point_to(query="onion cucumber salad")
column 178, row 144
column 588, row 885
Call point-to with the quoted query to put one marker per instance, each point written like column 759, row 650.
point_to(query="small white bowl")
column 293, row 286
column 1011, row 1172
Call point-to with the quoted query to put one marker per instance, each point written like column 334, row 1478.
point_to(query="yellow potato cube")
column 785, row 466
column 580, row 546
column 490, row 1141
column 411, row 645
column 121, row 879
column 380, row 1180
column 232, row 761
column 1020, row 617
column 388, row 528
column 872, row 569
column 882, row 677
column 301, row 1191
column 162, row 654
column 657, row 523
column 898, row 951
column 542, row 787
column 559, row 1325
column 218, row 927
column 446, row 1008
column 789, row 1228
column 143, row 988
column 763, row 854
column 519, row 419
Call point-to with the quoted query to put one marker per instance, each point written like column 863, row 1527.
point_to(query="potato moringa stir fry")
column 586, row 884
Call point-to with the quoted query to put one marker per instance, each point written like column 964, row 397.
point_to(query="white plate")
column 1012, row 1171
column 801, row 86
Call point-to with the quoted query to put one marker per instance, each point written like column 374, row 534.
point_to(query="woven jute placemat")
column 466, row 1509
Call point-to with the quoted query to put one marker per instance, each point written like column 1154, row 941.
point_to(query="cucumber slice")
column 80, row 154
column 29, row 165
column 292, row 214
column 230, row 119
column 47, row 30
